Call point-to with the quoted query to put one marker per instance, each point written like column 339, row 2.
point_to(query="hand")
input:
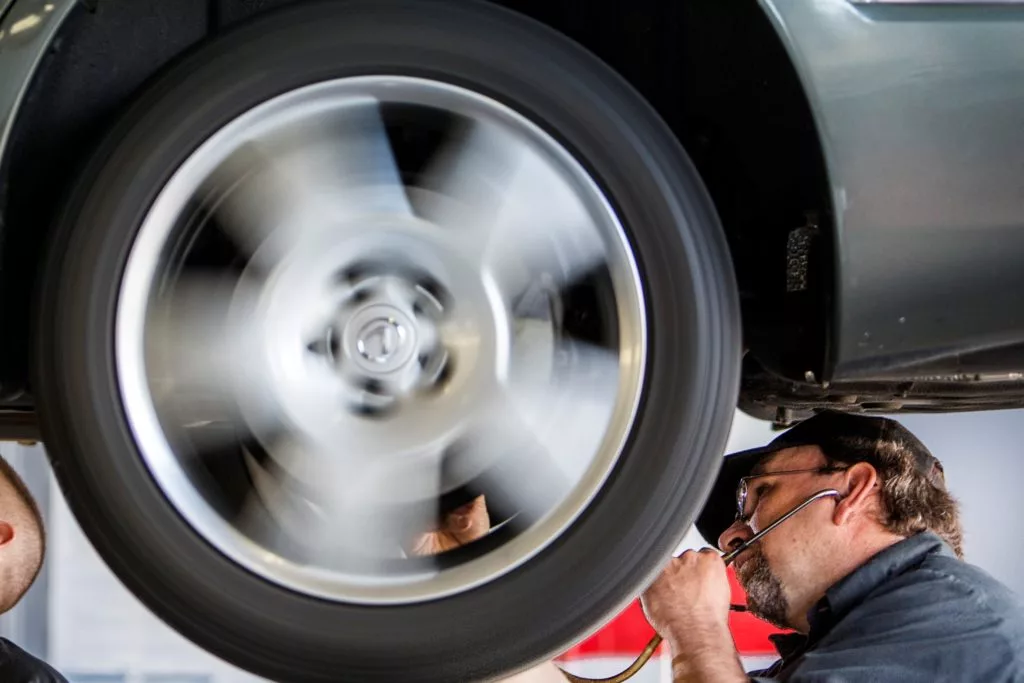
column 461, row 526
column 690, row 598
column 464, row 525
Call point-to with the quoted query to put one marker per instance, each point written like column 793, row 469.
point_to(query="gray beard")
column 765, row 598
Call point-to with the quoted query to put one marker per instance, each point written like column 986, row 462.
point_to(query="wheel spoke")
column 341, row 509
column 200, row 355
column 329, row 172
column 511, row 209
column 568, row 409
column 510, row 465
column 538, row 436
column 282, row 516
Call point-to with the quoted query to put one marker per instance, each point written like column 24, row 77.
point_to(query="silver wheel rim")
column 421, row 322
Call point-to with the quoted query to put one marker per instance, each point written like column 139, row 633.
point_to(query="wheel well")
column 715, row 71
column 720, row 76
column 82, row 83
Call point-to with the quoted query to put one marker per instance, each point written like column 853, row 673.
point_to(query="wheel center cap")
column 381, row 339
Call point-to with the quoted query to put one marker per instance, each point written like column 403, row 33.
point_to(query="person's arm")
column 689, row 606
column 706, row 657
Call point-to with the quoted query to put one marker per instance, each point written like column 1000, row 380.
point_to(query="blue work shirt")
column 913, row 612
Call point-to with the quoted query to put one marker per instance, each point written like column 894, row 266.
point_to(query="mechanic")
column 22, row 548
column 871, row 581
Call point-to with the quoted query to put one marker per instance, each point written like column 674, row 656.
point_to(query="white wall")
column 98, row 627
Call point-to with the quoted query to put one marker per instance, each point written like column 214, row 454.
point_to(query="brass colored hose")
column 638, row 664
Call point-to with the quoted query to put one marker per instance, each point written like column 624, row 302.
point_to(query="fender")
column 918, row 109
column 27, row 27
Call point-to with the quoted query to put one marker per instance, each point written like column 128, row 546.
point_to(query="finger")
column 705, row 552
column 469, row 522
column 673, row 564
column 711, row 555
column 434, row 543
column 462, row 525
column 687, row 559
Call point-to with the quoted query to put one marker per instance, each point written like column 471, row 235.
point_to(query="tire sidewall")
column 639, row 516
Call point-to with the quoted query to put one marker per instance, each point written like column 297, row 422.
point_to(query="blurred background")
column 80, row 618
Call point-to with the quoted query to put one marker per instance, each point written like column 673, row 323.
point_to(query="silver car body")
column 920, row 112
column 919, row 108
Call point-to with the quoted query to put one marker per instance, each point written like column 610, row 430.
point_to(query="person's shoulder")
column 940, row 615
column 946, row 596
column 956, row 578
column 18, row 666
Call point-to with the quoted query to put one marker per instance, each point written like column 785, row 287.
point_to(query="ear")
column 861, row 479
column 6, row 533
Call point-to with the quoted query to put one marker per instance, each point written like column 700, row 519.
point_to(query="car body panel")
column 26, row 29
column 919, row 109
column 4, row 6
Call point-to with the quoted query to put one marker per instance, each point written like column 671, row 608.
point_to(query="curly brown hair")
column 912, row 501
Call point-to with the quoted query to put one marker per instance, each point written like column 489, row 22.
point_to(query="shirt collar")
column 788, row 644
column 893, row 561
column 853, row 588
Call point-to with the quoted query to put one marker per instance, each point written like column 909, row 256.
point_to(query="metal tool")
column 728, row 558
column 734, row 553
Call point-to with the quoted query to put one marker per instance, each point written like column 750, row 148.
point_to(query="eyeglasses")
column 743, row 488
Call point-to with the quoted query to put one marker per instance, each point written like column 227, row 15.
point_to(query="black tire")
column 605, row 559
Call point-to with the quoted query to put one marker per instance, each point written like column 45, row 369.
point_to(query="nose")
column 737, row 534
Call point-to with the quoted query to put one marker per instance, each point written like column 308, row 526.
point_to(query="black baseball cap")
column 846, row 437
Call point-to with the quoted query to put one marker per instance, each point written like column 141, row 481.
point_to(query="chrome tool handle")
column 731, row 555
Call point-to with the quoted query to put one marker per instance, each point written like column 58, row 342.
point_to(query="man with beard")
column 871, row 581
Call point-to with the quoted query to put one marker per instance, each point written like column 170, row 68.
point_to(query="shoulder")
column 947, row 594
column 956, row 584
column 18, row 666
column 943, row 615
